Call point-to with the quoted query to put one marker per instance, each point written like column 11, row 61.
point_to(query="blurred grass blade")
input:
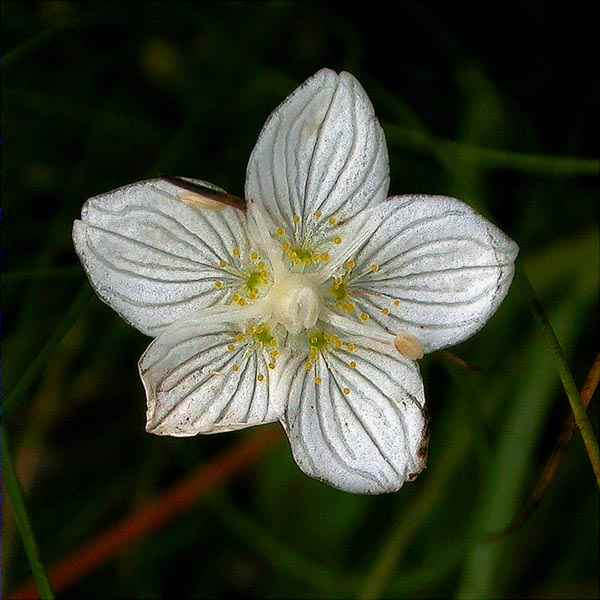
column 17, row 503
column 285, row 559
column 41, row 358
column 158, row 511
column 34, row 43
column 527, row 406
column 410, row 520
column 490, row 157
column 550, row 470
column 579, row 412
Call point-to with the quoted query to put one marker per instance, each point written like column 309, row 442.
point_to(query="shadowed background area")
column 491, row 109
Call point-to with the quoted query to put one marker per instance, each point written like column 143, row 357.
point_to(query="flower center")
column 295, row 302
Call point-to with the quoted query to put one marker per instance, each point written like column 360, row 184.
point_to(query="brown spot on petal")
column 409, row 346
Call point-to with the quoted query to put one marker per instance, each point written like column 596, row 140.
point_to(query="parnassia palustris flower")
column 308, row 304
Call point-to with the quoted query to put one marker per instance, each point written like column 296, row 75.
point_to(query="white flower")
column 310, row 307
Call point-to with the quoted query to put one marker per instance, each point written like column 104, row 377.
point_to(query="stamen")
column 356, row 328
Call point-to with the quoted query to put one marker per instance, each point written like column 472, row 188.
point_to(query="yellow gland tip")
column 236, row 252
column 337, row 240
column 296, row 219
column 260, row 377
column 346, row 391
column 236, row 368
column 231, row 347
column 218, row 284
column 352, row 364
column 318, row 380
column 374, row 268
column 364, row 317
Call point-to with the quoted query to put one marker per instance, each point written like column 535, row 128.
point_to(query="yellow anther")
column 352, row 364
column 346, row 391
column 364, row 317
column 271, row 365
column 274, row 354
column 253, row 294
column 260, row 377
column 318, row 380
column 318, row 215
column 351, row 347
column 337, row 240
column 396, row 302
column 236, row 252
column 254, row 255
column 385, row 311
column 231, row 347
column 280, row 231
column 236, row 368
column 222, row 263
column 218, row 284
column 350, row 264
column 240, row 337
column 333, row 221
column 325, row 257
column 308, row 365
column 242, row 302
column 296, row 219
column 374, row 268
column 347, row 307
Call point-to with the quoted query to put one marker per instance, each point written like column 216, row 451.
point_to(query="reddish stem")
column 154, row 514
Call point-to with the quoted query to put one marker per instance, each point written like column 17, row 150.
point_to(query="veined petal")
column 435, row 270
column 355, row 416
column 321, row 158
column 156, row 252
column 206, row 376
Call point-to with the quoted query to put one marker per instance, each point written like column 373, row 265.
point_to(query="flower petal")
column 356, row 419
column 203, row 378
column 435, row 269
column 321, row 156
column 156, row 252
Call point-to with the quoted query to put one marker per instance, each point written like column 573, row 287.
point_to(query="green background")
column 474, row 105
